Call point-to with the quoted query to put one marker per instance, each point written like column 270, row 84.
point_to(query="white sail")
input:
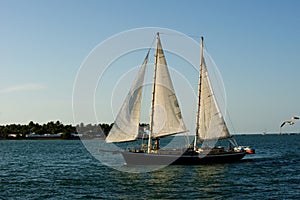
column 167, row 118
column 126, row 125
column 211, row 121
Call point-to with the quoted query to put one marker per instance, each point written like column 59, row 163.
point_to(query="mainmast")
column 199, row 93
column 153, row 97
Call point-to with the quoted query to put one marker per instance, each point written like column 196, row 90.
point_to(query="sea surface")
column 61, row 169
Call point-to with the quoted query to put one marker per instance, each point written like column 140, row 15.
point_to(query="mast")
column 153, row 97
column 199, row 93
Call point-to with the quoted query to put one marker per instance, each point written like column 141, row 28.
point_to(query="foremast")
column 199, row 94
column 153, row 98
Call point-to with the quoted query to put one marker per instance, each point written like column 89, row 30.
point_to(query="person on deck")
column 156, row 144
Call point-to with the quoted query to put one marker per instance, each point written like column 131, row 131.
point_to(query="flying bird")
column 290, row 122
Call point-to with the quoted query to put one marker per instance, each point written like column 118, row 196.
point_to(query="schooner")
column 166, row 119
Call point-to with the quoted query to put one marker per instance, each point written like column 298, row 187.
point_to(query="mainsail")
column 126, row 125
column 166, row 116
column 211, row 124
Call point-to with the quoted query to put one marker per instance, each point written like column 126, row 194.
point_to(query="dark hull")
column 133, row 158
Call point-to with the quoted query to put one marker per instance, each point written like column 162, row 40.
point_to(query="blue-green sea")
column 64, row 169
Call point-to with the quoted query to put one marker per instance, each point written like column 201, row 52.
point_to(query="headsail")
column 167, row 118
column 126, row 125
column 211, row 122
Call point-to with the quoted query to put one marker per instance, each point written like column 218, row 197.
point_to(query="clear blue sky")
column 255, row 44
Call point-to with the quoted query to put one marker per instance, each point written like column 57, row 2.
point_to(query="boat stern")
column 247, row 149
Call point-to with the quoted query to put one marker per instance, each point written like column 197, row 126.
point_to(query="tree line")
column 19, row 131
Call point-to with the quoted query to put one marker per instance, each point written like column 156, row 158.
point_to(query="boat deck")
column 181, row 157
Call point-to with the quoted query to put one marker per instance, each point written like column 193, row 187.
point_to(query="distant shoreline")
column 101, row 138
column 41, row 138
column 52, row 131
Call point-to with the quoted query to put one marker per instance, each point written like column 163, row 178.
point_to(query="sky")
column 255, row 45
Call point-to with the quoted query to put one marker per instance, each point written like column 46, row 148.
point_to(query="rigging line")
column 230, row 121
column 182, row 35
column 152, row 43
column 151, row 46
column 194, row 37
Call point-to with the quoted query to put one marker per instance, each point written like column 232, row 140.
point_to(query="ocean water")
column 66, row 170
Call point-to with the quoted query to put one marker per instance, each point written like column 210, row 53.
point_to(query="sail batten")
column 165, row 134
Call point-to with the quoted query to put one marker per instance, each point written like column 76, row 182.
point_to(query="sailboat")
column 166, row 120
